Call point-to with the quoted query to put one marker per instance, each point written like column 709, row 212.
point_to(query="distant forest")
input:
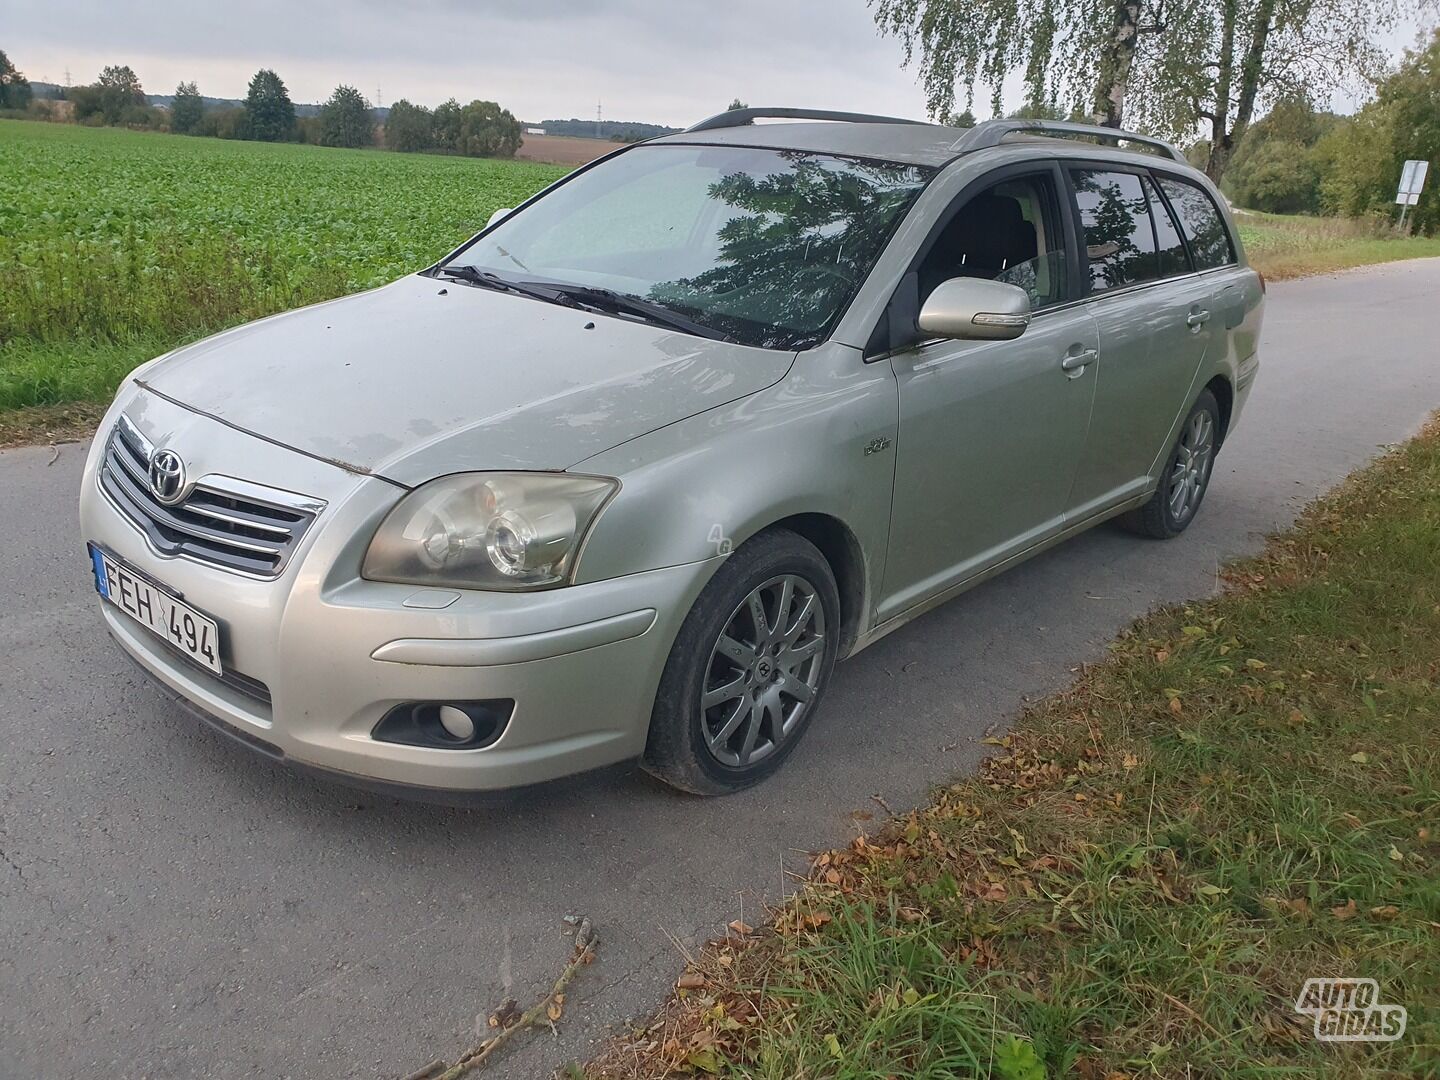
column 614, row 130
column 617, row 130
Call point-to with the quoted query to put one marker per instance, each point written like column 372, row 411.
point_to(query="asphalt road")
column 172, row 906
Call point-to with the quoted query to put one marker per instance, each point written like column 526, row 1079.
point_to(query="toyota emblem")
column 167, row 476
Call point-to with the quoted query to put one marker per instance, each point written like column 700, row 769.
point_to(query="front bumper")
column 316, row 656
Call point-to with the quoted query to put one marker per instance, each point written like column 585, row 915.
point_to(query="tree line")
column 346, row 119
column 1300, row 160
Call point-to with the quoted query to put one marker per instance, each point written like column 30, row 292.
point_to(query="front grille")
column 230, row 524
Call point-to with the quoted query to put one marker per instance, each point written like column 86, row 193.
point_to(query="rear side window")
column 1119, row 239
column 1209, row 240
column 1171, row 245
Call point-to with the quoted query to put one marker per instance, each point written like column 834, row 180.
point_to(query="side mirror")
column 500, row 215
column 976, row 309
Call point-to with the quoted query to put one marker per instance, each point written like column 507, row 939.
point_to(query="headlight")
column 506, row 531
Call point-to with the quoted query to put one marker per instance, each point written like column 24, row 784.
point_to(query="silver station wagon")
column 628, row 472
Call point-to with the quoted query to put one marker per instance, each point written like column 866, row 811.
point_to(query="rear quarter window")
column 1210, row 243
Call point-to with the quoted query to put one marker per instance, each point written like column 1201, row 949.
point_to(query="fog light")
column 457, row 723
column 446, row 725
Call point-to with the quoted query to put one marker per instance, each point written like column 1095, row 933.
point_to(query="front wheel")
column 1186, row 478
column 748, row 668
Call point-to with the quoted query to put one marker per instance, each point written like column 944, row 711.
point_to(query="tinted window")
column 1115, row 216
column 1010, row 232
column 1171, row 246
column 1209, row 242
column 765, row 246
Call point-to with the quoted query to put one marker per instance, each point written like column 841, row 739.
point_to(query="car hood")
column 425, row 377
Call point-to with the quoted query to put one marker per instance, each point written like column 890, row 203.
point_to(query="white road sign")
column 1412, row 182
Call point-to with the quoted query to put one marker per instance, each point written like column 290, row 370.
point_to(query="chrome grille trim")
column 236, row 525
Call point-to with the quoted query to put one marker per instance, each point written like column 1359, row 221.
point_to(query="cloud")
column 663, row 61
column 671, row 61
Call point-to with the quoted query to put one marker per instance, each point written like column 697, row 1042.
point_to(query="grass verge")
column 1139, row 882
column 1283, row 247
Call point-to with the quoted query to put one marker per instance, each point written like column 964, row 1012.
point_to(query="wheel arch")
column 1224, row 392
column 841, row 549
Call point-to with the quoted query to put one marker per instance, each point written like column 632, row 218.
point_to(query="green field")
column 116, row 245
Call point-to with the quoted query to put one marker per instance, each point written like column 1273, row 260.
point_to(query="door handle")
column 1197, row 319
column 1077, row 362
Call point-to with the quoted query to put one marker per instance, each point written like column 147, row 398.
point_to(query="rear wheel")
column 1186, row 478
column 748, row 668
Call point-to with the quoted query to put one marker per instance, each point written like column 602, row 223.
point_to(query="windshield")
column 763, row 247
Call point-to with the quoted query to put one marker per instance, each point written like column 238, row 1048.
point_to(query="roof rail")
column 990, row 133
column 741, row 117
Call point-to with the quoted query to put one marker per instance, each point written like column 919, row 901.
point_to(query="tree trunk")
column 1219, row 116
column 1115, row 64
column 1227, row 136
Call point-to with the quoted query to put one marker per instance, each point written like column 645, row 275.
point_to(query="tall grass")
column 168, row 283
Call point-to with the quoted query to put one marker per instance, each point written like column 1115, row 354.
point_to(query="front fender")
column 705, row 485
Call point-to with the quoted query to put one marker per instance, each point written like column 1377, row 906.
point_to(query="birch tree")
column 1179, row 68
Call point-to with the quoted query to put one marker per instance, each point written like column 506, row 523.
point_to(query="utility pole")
column 379, row 103
column 597, row 119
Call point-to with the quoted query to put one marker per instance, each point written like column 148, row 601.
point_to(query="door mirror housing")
column 500, row 215
column 975, row 309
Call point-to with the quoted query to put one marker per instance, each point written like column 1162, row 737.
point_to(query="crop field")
column 116, row 246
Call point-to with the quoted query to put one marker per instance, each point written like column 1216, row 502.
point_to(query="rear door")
column 1156, row 323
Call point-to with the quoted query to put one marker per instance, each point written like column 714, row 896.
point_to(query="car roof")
column 913, row 143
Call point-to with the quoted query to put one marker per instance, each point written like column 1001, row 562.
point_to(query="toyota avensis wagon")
column 625, row 475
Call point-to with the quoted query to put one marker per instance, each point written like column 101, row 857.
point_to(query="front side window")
column 1209, row 239
column 1119, row 238
column 762, row 247
column 1009, row 232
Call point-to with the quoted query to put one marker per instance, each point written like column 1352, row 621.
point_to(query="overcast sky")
column 662, row 61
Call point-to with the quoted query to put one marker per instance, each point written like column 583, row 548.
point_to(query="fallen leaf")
column 1345, row 911
column 555, row 1008
column 1385, row 911
column 741, row 928
column 1175, row 706
column 705, row 1059
column 1395, row 855
column 1256, row 665
column 1360, row 758
column 691, row 980
column 1130, row 761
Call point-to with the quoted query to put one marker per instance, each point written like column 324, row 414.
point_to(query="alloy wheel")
column 764, row 671
column 1194, row 458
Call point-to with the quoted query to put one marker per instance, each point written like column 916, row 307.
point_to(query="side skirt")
column 895, row 622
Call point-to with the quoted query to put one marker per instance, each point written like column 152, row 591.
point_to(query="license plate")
column 158, row 610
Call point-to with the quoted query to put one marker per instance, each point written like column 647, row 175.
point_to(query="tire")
column 755, row 693
column 1169, row 511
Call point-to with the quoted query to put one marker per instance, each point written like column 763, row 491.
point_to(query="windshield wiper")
column 649, row 311
column 489, row 280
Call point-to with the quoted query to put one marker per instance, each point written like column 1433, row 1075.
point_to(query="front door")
column 991, row 433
